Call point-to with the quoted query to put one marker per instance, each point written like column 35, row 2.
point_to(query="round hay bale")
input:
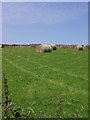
column 38, row 48
column 86, row 46
column 53, row 46
column 0, row 46
column 44, row 48
column 79, row 47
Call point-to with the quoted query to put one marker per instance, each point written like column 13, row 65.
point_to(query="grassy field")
column 36, row 81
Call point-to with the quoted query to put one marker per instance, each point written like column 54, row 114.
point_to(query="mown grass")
column 36, row 80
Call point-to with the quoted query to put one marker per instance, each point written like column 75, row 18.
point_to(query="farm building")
column 44, row 48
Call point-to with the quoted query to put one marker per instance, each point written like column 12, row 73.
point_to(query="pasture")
column 48, row 84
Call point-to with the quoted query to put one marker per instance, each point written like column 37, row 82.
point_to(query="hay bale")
column 87, row 46
column 53, row 46
column 0, row 46
column 79, row 47
column 38, row 48
column 44, row 48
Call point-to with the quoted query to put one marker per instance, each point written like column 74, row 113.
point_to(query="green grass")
column 36, row 80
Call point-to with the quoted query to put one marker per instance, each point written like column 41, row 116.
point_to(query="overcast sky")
column 30, row 23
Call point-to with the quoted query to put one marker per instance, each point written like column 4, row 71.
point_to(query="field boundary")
column 6, row 93
column 16, row 114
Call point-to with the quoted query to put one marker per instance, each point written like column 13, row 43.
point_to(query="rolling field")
column 48, row 84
